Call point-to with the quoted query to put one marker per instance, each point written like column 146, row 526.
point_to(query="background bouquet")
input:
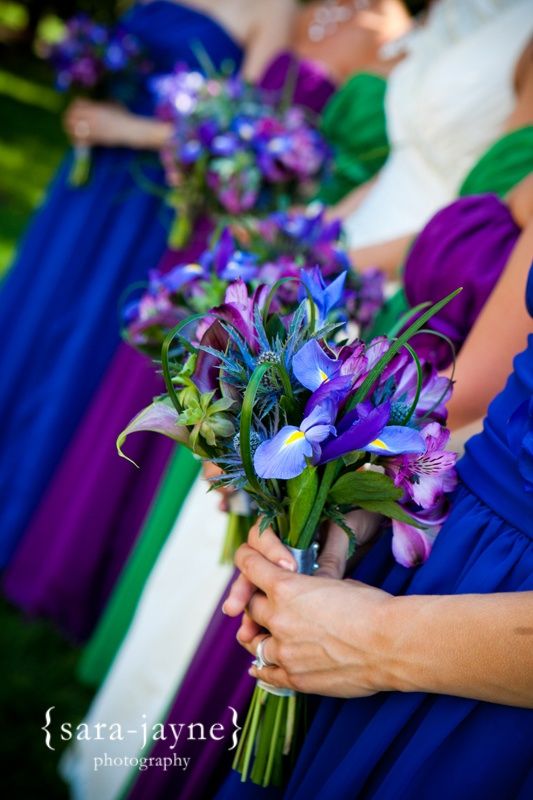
column 286, row 246
column 311, row 427
column 100, row 61
column 235, row 148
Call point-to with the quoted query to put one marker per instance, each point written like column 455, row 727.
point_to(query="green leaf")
column 355, row 487
column 391, row 509
column 246, row 426
column 302, row 493
column 338, row 518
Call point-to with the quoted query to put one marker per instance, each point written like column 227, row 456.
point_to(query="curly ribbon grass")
column 165, row 361
column 280, row 282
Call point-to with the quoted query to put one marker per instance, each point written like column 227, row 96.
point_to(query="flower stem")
column 313, row 520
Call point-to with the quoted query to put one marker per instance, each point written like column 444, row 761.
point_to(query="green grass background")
column 38, row 666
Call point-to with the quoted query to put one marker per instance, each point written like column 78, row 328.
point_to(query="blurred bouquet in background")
column 235, row 148
column 302, row 249
column 98, row 61
column 312, row 426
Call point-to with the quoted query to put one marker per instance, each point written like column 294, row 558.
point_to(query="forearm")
column 351, row 201
column 475, row 646
column 144, row 133
column 388, row 256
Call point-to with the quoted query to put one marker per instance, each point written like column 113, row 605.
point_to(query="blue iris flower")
column 326, row 296
column 285, row 456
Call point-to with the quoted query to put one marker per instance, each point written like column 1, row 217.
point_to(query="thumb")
column 332, row 559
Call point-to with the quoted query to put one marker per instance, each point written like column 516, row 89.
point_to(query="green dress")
column 503, row 166
column 354, row 124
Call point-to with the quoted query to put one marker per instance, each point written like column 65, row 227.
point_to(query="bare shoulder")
column 520, row 201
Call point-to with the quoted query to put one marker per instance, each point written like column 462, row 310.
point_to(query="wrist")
column 408, row 657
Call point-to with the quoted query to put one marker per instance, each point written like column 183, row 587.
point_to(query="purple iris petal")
column 396, row 439
column 311, row 366
column 284, row 456
column 182, row 275
column 317, row 426
column 363, row 431
column 334, row 391
column 325, row 296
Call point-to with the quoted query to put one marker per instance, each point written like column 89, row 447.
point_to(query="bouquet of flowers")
column 311, row 427
column 235, row 148
column 302, row 251
column 100, row 61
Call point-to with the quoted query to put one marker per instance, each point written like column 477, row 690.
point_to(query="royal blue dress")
column 59, row 323
column 415, row 746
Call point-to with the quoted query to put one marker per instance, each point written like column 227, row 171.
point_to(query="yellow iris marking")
column 323, row 376
column 379, row 443
column 194, row 268
column 294, row 437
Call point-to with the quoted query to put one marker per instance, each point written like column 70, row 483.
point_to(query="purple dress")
column 465, row 244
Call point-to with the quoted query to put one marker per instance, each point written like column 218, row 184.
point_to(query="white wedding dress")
column 446, row 103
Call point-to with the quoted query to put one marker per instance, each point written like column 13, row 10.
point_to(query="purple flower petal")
column 284, row 456
column 159, row 417
column 410, row 546
column 312, row 367
column 395, row 439
column 363, row 431
column 334, row 392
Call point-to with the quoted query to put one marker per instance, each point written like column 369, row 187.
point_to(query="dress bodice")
column 465, row 244
column 174, row 33
column 491, row 465
column 445, row 104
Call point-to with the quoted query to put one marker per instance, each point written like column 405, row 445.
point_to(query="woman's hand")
column 109, row 125
column 332, row 560
column 326, row 635
column 308, row 668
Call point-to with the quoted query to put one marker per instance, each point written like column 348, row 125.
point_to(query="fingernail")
column 224, row 608
column 287, row 565
column 251, row 672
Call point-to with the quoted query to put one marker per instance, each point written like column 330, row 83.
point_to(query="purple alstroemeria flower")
column 412, row 546
column 238, row 309
column 425, row 476
column 287, row 454
column 435, row 393
column 365, row 428
column 236, row 191
column 326, row 296
column 152, row 311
